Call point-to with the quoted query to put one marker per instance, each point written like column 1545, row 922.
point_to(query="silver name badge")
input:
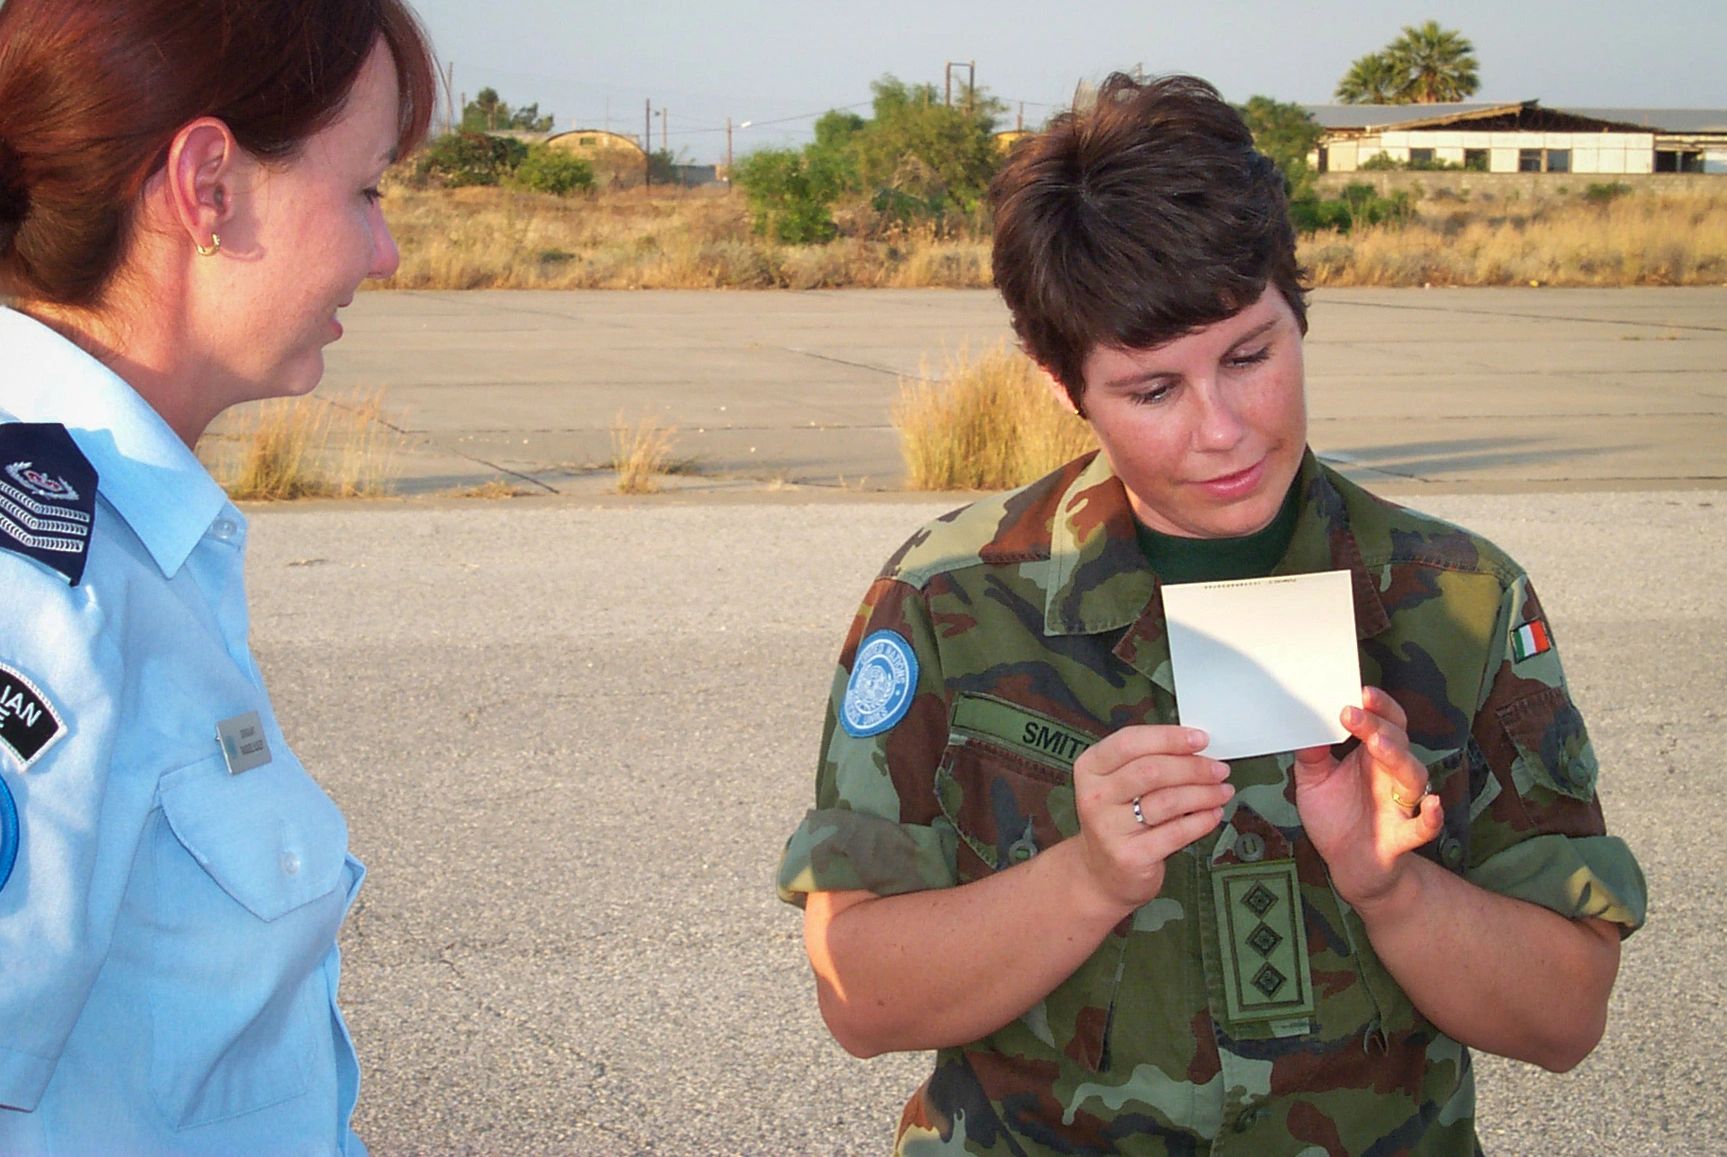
column 243, row 742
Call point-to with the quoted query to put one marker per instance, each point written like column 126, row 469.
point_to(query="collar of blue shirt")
column 147, row 474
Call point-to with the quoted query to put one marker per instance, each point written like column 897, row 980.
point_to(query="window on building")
column 1324, row 159
column 1475, row 160
column 1419, row 158
column 1558, row 160
column 1678, row 161
column 1528, row 160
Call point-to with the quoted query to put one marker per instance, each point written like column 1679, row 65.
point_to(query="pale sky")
column 780, row 63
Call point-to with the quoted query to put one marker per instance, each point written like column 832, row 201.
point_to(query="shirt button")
column 224, row 528
column 1451, row 851
column 1247, row 1120
column 290, row 863
column 1250, row 846
column 1021, row 850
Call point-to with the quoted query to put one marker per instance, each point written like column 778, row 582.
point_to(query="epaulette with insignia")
column 47, row 496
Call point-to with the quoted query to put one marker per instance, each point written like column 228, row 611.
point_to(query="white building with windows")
column 1521, row 138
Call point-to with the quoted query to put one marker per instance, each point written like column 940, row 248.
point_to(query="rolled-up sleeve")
column 877, row 825
column 1540, row 835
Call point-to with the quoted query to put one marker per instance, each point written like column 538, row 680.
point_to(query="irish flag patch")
column 1530, row 639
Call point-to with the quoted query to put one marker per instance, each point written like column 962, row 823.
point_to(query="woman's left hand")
column 1366, row 812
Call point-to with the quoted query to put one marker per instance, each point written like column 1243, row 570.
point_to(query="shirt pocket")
column 270, row 838
column 1007, row 807
column 252, row 880
column 1552, row 744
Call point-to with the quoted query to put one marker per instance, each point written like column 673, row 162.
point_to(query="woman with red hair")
column 188, row 196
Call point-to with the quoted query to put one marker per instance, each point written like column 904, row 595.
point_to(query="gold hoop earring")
column 210, row 250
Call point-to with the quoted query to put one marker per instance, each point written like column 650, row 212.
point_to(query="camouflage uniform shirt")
column 1243, row 1009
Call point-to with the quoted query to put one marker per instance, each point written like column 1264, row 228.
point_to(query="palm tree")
column 1373, row 79
column 1438, row 64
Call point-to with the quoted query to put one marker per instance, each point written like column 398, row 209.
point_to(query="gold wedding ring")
column 1413, row 807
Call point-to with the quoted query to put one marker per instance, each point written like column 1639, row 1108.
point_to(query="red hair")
column 93, row 91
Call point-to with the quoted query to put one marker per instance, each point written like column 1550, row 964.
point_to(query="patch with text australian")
column 28, row 723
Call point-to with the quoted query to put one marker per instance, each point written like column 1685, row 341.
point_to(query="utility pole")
column 450, row 98
column 648, row 143
column 665, row 124
column 970, row 84
column 728, row 154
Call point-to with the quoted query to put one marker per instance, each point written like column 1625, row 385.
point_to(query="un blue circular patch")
column 8, row 833
column 882, row 684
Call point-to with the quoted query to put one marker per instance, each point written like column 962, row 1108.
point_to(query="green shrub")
column 1312, row 215
column 1603, row 194
column 1359, row 204
column 791, row 195
column 549, row 170
column 458, row 159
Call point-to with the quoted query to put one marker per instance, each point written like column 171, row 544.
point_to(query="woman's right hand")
column 1181, row 796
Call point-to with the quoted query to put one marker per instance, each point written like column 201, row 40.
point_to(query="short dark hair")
column 93, row 91
column 1136, row 221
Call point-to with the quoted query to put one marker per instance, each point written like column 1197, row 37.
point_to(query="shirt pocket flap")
column 269, row 837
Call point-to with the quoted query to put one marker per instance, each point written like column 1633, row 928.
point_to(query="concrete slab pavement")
column 1416, row 389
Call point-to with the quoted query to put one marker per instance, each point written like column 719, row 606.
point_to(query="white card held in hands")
column 1264, row 665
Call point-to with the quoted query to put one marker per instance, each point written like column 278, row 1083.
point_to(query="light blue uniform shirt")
column 168, row 959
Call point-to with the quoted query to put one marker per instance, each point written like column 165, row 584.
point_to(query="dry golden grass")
column 987, row 423
column 309, row 447
column 641, row 453
column 491, row 238
column 1636, row 239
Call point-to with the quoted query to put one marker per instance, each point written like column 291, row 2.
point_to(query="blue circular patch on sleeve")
column 882, row 685
column 8, row 833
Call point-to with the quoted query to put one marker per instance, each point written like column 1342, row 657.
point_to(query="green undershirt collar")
column 1197, row 560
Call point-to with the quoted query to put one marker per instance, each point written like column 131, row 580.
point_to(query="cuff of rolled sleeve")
column 23, row 1077
column 841, row 850
column 1575, row 876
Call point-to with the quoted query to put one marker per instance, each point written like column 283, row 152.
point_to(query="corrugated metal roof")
column 1378, row 116
column 1385, row 116
column 1669, row 120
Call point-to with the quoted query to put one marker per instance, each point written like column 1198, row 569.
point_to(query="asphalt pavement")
column 571, row 733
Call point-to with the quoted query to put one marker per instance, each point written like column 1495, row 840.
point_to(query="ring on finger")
column 1137, row 814
column 1413, row 807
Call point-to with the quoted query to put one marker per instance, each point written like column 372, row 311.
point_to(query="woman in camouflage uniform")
column 1018, row 858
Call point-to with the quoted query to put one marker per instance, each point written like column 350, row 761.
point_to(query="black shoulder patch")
column 47, row 496
column 29, row 725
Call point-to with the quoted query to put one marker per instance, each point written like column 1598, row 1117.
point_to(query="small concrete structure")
column 616, row 159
